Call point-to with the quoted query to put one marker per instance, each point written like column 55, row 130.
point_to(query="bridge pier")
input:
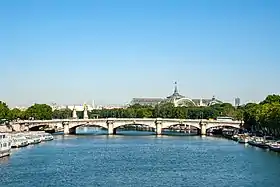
column 203, row 129
column 26, row 128
column 158, row 127
column 66, row 129
column 111, row 129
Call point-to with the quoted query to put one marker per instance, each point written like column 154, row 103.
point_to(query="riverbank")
column 23, row 139
column 264, row 142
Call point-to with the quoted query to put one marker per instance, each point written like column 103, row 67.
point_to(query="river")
column 140, row 160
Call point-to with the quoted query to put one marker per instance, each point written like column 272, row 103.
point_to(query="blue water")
column 148, row 160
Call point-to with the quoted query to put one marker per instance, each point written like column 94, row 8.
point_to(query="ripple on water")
column 140, row 161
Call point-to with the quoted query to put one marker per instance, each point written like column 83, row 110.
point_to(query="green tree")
column 62, row 113
column 15, row 114
column 144, row 113
column 80, row 114
column 249, row 116
column 4, row 110
column 180, row 112
column 271, row 99
column 39, row 111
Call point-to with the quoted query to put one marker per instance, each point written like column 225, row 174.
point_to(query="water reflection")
column 133, row 132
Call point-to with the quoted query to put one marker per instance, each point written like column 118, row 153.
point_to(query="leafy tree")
column 80, row 114
column 271, row 99
column 39, row 111
column 249, row 116
column 180, row 112
column 4, row 110
column 62, row 113
column 15, row 114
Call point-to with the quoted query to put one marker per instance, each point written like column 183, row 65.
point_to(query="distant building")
column 112, row 107
column 237, row 101
column 79, row 107
column 177, row 99
column 146, row 101
column 206, row 102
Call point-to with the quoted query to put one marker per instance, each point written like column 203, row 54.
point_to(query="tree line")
column 264, row 116
column 167, row 110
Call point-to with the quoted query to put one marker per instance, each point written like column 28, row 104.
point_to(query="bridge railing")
column 132, row 119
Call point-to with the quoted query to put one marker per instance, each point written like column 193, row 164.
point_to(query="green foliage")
column 62, row 114
column 271, row 99
column 263, row 117
column 168, row 110
column 4, row 110
column 15, row 114
column 39, row 111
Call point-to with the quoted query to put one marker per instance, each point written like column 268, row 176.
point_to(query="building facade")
column 237, row 101
column 177, row 99
column 146, row 101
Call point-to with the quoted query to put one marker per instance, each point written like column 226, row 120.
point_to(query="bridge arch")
column 36, row 127
column 236, row 126
column 168, row 125
column 121, row 124
column 73, row 127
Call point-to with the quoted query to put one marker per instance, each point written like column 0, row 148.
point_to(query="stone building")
column 177, row 99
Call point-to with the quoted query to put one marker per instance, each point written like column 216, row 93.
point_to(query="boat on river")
column 32, row 138
column 259, row 142
column 275, row 146
column 243, row 139
column 48, row 137
column 19, row 140
column 5, row 145
column 234, row 137
column 44, row 136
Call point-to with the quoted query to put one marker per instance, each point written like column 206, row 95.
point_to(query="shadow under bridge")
column 135, row 129
column 89, row 128
column 181, row 128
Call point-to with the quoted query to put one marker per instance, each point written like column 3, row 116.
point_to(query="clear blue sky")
column 69, row 52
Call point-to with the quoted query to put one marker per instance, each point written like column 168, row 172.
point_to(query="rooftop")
column 175, row 94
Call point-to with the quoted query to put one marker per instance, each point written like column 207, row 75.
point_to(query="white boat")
column 19, row 140
column 243, row 139
column 33, row 139
column 258, row 142
column 45, row 136
column 48, row 137
column 275, row 146
column 5, row 145
column 235, row 137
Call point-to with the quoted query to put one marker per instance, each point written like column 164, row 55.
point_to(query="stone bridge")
column 70, row 125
